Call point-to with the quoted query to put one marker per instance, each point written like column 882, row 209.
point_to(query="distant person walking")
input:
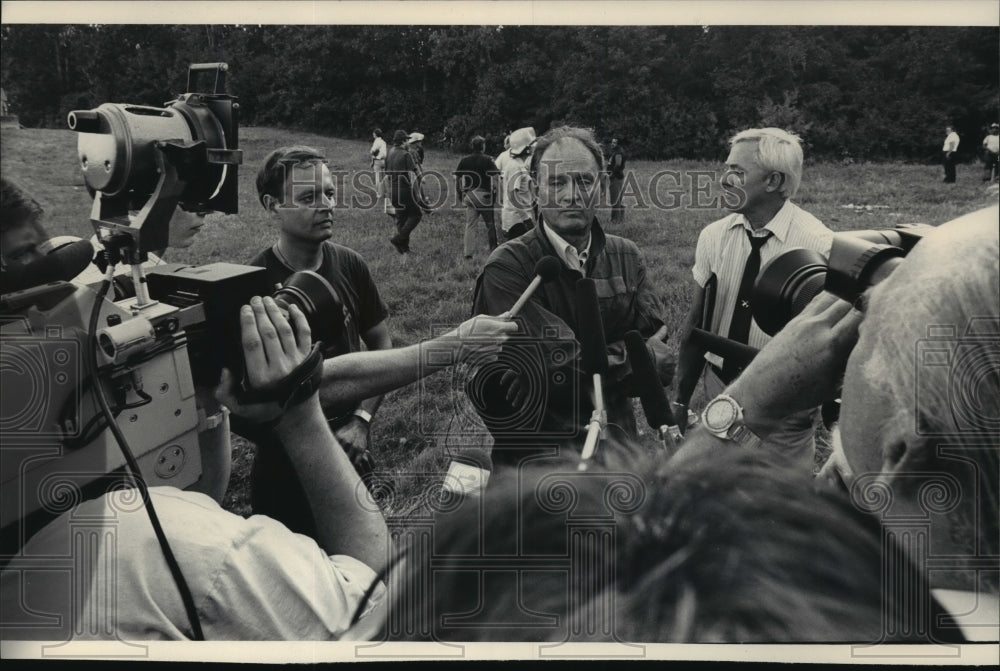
column 415, row 145
column 951, row 141
column 401, row 171
column 378, row 154
column 616, row 168
column 991, row 153
column 501, row 161
column 474, row 181
column 516, row 217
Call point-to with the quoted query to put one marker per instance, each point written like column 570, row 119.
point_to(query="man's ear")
column 775, row 181
column 270, row 203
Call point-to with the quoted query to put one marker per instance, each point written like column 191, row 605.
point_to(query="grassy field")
column 433, row 286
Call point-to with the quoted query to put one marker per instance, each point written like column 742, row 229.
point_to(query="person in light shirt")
column 951, row 141
column 762, row 174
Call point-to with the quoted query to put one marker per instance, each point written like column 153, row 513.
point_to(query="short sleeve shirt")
column 251, row 578
column 723, row 248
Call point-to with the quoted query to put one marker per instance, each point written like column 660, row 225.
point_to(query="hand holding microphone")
column 546, row 269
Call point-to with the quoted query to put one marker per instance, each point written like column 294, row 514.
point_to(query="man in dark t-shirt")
column 295, row 187
column 474, row 181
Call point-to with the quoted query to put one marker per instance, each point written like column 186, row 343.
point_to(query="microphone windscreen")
column 548, row 268
column 647, row 383
column 590, row 328
column 63, row 264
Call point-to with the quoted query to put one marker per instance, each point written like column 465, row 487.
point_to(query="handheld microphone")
column 594, row 358
column 728, row 349
column 468, row 473
column 546, row 269
column 653, row 397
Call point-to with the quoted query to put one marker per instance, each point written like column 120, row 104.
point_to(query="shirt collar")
column 779, row 224
column 567, row 253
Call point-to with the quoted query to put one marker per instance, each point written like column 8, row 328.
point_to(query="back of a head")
column 17, row 207
column 777, row 150
column 731, row 547
column 399, row 137
column 724, row 547
column 478, row 143
column 938, row 323
column 523, row 539
column 273, row 171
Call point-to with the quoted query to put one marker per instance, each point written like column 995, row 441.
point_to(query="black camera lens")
column 318, row 301
column 785, row 287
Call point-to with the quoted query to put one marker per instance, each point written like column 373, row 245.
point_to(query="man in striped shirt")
column 762, row 174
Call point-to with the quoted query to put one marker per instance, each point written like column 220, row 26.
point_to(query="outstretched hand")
column 802, row 366
column 272, row 349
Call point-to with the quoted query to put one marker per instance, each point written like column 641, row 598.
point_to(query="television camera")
column 65, row 345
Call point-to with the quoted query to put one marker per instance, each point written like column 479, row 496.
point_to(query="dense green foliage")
column 673, row 91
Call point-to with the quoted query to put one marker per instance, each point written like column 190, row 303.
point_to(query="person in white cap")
column 415, row 145
column 516, row 216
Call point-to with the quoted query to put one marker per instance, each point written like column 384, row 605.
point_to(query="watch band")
column 364, row 415
column 734, row 429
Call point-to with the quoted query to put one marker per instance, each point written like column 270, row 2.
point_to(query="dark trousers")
column 949, row 167
column 407, row 219
column 991, row 166
column 615, row 192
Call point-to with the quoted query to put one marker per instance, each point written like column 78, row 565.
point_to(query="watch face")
column 719, row 414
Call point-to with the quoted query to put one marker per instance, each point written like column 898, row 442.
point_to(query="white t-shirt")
column 951, row 142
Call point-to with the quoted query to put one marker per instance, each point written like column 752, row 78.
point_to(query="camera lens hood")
column 785, row 286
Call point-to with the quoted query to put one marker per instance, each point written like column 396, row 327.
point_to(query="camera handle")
column 131, row 241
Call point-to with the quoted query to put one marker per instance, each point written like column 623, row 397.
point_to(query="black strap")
column 298, row 386
column 739, row 327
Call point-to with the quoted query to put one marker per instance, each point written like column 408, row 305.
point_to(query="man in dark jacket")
column 536, row 399
column 401, row 170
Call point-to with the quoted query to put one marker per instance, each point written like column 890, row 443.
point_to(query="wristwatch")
column 723, row 417
column 363, row 415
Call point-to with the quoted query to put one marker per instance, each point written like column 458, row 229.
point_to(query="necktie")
column 739, row 327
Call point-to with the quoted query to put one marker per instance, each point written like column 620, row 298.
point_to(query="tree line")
column 852, row 93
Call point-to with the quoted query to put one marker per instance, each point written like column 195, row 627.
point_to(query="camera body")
column 55, row 442
column 858, row 260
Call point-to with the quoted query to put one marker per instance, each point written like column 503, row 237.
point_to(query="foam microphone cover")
column 647, row 383
column 590, row 328
column 64, row 263
column 548, row 268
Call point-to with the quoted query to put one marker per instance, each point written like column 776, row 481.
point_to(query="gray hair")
column 944, row 296
column 777, row 150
